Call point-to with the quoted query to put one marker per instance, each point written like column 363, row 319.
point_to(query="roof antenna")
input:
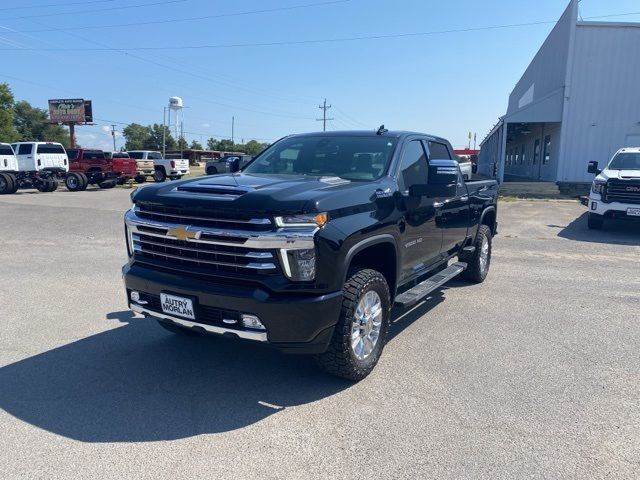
column 381, row 130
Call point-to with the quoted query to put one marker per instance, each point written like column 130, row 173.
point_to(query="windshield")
column 351, row 158
column 625, row 161
column 137, row 155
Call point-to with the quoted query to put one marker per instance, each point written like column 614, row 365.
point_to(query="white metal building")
column 579, row 100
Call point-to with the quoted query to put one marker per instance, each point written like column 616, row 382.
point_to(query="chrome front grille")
column 627, row 191
column 204, row 218
column 192, row 253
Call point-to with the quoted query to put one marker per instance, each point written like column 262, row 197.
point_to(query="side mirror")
column 234, row 166
column 474, row 168
column 593, row 168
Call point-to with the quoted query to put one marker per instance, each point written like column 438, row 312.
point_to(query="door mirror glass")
column 474, row 168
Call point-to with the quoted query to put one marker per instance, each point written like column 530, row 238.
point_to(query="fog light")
column 299, row 265
column 135, row 297
column 251, row 321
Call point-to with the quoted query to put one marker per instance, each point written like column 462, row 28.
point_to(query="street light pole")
column 164, row 131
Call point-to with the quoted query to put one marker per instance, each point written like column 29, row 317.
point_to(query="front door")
column 422, row 239
column 452, row 215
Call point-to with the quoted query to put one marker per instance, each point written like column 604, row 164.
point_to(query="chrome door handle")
column 438, row 204
column 464, row 198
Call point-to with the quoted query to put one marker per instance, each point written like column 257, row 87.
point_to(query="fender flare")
column 369, row 242
column 491, row 209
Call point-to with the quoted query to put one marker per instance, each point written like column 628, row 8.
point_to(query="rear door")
column 452, row 213
column 26, row 160
column 422, row 239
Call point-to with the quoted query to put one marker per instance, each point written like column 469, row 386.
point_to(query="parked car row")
column 41, row 164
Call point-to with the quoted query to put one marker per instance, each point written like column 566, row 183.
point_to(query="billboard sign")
column 65, row 110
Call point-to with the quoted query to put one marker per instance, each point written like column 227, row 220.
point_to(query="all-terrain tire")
column 140, row 179
column 340, row 359
column 595, row 221
column 479, row 261
column 107, row 184
column 7, row 183
column 53, row 185
column 212, row 171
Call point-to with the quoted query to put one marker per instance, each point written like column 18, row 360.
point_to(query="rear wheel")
column 140, row 178
column 53, row 185
column 159, row 176
column 44, row 185
column 7, row 183
column 479, row 261
column 595, row 221
column 73, row 182
column 212, row 171
column 361, row 332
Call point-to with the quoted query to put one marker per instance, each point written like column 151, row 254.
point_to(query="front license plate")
column 177, row 306
column 633, row 212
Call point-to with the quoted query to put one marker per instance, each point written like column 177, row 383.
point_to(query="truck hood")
column 269, row 194
column 606, row 174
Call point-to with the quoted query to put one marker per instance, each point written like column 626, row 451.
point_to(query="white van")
column 41, row 156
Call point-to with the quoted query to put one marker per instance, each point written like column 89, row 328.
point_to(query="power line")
column 324, row 107
column 80, row 12
column 317, row 41
column 191, row 19
column 55, row 5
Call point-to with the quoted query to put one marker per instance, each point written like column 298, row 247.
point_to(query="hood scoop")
column 213, row 189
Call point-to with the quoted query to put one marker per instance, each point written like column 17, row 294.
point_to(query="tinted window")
column 154, row 156
column 73, row 153
column 438, row 151
column 536, row 151
column 25, row 149
column 50, row 148
column 93, row 155
column 136, row 155
column 120, row 155
column 5, row 150
column 352, row 158
column 414, row 168
column 625, row 161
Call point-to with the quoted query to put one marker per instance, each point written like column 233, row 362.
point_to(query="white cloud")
column 205, row 125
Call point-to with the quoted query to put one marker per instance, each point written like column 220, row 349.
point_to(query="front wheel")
column 479, row 261
column 361, row 332
column 7, row 183
column 595, row 221
column 159, row 176
column 140, row 179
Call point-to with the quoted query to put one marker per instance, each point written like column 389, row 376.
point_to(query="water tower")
column 176, row 106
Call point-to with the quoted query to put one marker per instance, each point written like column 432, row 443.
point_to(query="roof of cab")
column 366, row 133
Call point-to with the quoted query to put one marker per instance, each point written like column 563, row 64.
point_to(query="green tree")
column 226, row 145
column 212, row 144
column 195, row 145
column 252, row 147
column 182, row 143
column 8, row 132
column 33, row 124
column 155, row 137
column 135, row 135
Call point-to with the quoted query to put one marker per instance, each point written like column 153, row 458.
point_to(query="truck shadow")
column 138, row 383
column 615, row 232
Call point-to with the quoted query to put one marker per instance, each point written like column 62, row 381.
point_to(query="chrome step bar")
column 417, row 293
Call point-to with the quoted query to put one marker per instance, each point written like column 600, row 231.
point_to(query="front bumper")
column 616, row 210
column 294, row 323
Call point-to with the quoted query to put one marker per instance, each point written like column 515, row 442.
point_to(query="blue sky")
column 447, row 84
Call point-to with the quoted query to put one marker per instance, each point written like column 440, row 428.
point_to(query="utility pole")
column 324, row 107
column 113, row 134
column 233, row 124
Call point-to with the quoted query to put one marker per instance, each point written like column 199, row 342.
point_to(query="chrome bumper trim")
column 255, row 336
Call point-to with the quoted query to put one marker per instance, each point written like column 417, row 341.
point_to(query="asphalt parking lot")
column 535, row 373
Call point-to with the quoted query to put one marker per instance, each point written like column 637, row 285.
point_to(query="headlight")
column 303, row 220
column 597, row 187
column 299, row 265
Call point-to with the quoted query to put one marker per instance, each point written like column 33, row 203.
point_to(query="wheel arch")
column 378, row 253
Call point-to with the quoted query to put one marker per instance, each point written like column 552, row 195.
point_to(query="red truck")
column 92, row 167
column 126, row 166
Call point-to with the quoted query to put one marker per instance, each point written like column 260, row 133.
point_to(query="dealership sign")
column 70, row 110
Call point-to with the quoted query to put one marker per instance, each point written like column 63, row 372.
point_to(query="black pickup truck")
column 311, row 244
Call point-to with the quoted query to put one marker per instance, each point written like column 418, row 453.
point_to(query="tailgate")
column 145, row 164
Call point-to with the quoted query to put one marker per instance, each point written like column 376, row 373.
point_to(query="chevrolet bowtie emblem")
column 183, row 233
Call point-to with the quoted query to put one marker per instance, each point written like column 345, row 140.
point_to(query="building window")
column 522, row 154
column 546, row 157
column 536, row 151
column 516, row 156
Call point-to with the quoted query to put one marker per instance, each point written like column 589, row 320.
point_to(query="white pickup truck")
column 615, row 192
column 163, row 167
